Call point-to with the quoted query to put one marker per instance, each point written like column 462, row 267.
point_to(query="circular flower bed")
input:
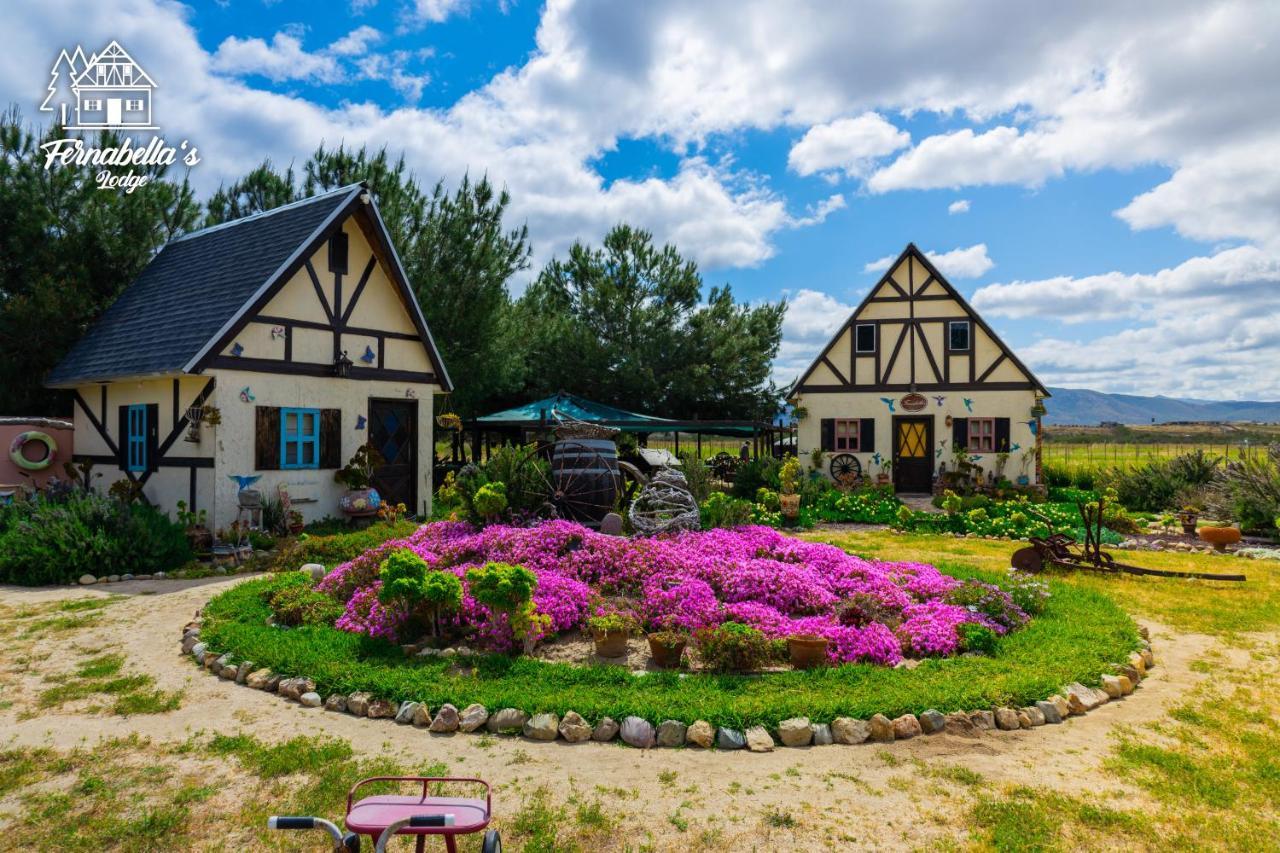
column 867, row 611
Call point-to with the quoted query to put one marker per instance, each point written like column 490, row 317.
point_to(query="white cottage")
column 911, row 376
column 271, row 347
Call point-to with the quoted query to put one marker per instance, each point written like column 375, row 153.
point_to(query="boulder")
column 797, row 731
column 422, row 716
column 189, row 642
column 88, row 580
column 1035, row 715
column 822, row 734
column 542, row 727
column 336, row 702
column 472, row 717
column 406, row 711
column 1126, row 684
column 316, row 570
column 906, row 727
column 258, row 678
column 1024, row 720
column 381, row 709
column 605, row 730
column 446, row 719
column 198, row 650
column 215, row 662
column 1007, row 719
column 507, row 721
column 573, row 728
column 1138, row 662
column 959, row 723
column 1111, row 686
column 1050, row 712
column 985, row 720
column 272, row 684
column 1080, row 698
column 127, row 576
column 758, row 739
column 1148, row 657
column 849, row 730
column 1132, row 674
column 700, row 734
column 310, row 699
column 932, row 722
column 242, row 672
column 292, row 688
column 881, row 729
column 228, row 672
column 113, row 579
column 1063, row 706
column 670, row 733
column 729, row 739
column 637, row 732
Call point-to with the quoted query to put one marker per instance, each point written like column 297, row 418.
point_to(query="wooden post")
column 677, row 444
column 698, row 439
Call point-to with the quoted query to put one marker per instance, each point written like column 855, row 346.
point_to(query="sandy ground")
column 854, row 793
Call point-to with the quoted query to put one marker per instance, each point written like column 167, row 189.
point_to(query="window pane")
column 308, row 453
column 866, row 338
column 290, row 453
column 959, row 335
column 309, row 426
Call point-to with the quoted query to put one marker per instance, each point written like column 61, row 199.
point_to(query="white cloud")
column 356, row 42
column 850, row 145
column 817, row 214
column 958, row 206
column 282, row 59
column 969, row 262
column 421, row 12
column 812, row 318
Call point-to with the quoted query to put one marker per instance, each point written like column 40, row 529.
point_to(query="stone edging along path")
column 1074, row 699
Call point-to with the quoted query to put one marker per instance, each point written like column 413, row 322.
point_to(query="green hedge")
column 337, row 548
column 1078, row 637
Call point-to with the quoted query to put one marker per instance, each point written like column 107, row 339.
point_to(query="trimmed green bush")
column 294, row 601
column 329, row 551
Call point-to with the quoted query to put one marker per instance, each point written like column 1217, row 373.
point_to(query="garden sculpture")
column 665, row 506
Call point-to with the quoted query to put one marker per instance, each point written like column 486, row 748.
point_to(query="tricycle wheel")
column 1027, row 560
column 351, row 843
column 492, row 842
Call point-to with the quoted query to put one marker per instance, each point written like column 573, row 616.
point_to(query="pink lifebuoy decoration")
column 17, row 457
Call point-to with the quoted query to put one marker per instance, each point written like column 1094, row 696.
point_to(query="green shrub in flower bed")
column 1077, row 637
column 1010, row 520
column 337, row 548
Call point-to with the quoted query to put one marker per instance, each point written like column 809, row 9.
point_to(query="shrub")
column 733, row 647
column 507, row 589
column 750, row 476
column 768, row 499
column 1248, row 490
column 1028, row 592
column 990, row 601
column 490, row 501
column 294, row 601
column 698, row 475
column 1055, row 475
column 977, row 638
column 48, row 542
column 330, row 551
column 721, row 510
column 409, row 584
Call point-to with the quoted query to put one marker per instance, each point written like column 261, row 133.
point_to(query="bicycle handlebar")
column 415, row 821
column 279, row 822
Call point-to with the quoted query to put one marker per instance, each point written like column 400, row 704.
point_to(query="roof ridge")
column 262, row 214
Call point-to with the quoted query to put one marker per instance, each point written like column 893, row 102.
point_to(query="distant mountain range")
column 1078, row 406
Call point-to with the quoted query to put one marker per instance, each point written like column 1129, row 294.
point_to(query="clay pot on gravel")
column 667, row 647
column 807, row 651
column 1220, row 537
column 610, row 644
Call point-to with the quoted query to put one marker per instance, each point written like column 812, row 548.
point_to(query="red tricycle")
column 385, row 815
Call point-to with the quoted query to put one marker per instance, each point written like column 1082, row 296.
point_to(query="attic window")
column 958, row 336
column 866, row 337
column 338, row 252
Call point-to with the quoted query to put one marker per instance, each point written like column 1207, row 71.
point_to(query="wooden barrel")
column 584, row 474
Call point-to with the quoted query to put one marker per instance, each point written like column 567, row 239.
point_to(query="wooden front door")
column 913, row 454
column 393, row 432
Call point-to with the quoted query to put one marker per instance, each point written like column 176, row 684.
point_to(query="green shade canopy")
column 566, row 407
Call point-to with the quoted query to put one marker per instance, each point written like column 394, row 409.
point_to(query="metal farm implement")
column 1063, row 552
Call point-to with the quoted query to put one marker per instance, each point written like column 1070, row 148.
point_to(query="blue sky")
column 1096, row 177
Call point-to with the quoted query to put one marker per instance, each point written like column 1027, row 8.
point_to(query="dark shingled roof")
column 195, row 285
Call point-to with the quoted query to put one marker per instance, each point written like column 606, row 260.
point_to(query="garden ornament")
column 888, row 401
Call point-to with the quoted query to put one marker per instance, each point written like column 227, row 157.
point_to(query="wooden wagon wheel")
column 1027, row 560
column 632, row 480
column 560, row 491
column 844, row 465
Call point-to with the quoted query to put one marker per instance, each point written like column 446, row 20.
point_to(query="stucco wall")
column 1014, row 405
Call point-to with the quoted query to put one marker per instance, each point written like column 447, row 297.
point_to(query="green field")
column 1111, row 454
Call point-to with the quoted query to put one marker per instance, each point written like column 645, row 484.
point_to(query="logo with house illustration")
column 108, row 90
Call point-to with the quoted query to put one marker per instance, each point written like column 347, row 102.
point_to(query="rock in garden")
column 758, row 739
column 358, row 704
column 189, row 643
column 258, row 678
column 822, row 734
column 573, row 728
column 1050, row 712
column 1007, row 719
column 1063, row 706
column 1126, row 684
column 1131, row 673
column 796, row 731
column 906, row 727
column 292, row 688
column 1024, row 719
column 729, row 739
column 228, row 672
column 881, row 729
column 849, row 730
column 198, row 650
column 1080, row 698
column 958, row 723
column 472, row 717
column 985, row 720
column 336, row 702
column 421, row 716
column 127, row 576
column 932, row 722
column 404, row 714
column 88, row 580
column 316, row 571
column 1111, row 686
column 1148, row 658
column 507, row 721
column 273, row 683
column 113, row 579
column 1035, row 715
column 160, row 575
column 701, row 734
column 243, row 670
column 446, row 719
column 637, row 732
column 381, row 709
column 605, row 730
column 310, row 699
column 215, row 662
column 1138, row 662
column 542, row 727
column 671, row 733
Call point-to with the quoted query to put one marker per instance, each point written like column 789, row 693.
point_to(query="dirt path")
column 860, row 795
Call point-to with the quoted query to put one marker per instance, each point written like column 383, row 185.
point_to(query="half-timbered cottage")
column 265, row 350
column 915, row 378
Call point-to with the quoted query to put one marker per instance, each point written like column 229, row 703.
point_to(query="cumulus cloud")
column 968, row 262
column 958, row 206
column 281, row 59
column 812, row 319
column 850, row 145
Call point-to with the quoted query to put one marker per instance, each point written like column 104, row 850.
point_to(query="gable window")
column 126, row 74
column 299, row 438
column 847, row 435
column 982, row 435
column 338, row 246
column 92, row 104
column 136, row 439
column 865, row 337
column 958, row 335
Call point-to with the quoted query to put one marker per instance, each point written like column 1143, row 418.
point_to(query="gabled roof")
column 204, row 286
column 912, row 251
column 114, row 57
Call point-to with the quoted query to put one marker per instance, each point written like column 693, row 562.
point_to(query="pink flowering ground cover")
column 870, row 611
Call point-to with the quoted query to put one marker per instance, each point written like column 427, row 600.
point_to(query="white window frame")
column 851, row 441
column 875, row 337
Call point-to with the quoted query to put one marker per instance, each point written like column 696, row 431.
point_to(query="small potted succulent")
column 789, row 478
column 1024, row 466
column 610, row 630
column 884, row 477
column 199, row 536
column 296, row 524
column 361, row 498
column 807, row 650
column 667, row 646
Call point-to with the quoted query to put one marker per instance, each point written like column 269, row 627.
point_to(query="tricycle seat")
column 372, row 815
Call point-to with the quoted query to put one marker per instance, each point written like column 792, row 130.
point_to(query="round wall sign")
column 913, row 402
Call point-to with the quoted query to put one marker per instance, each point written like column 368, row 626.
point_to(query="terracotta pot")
column 807, row 652
column 790, row 505
column 610, row 644
column 666, row 655
column 200, row 538
column 360, row 502
column 1188, row 520
column 1220, row 537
